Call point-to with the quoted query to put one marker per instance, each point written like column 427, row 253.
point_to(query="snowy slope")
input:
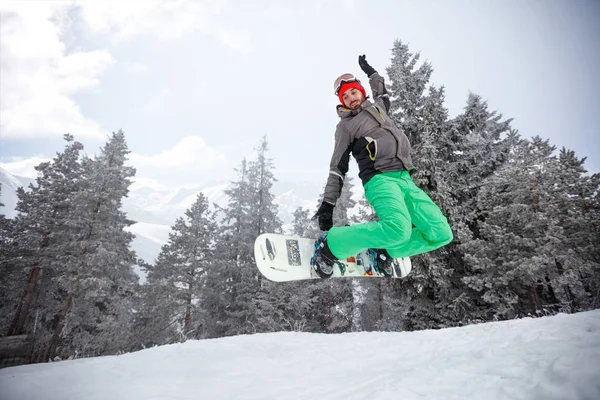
column 547, row 358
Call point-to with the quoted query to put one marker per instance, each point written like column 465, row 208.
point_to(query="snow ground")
column 546, row 358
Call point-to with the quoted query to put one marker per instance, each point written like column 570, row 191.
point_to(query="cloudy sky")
column 195, row 84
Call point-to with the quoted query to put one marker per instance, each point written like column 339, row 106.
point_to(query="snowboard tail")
column 283, row 258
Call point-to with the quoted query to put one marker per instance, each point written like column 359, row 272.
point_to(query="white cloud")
column 38, row 76
column 157, row 103
column 123, row 20
column 20, row 166
column 231, row 38
column 134, row 67
column 191, row 152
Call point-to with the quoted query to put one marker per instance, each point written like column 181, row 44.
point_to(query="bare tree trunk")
column 188, row 310
column 571, row 298
column 18, row 323
column 551, row 293
column 59, row 326
column 535, row 299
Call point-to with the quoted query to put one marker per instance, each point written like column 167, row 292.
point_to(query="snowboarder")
column 409, row 221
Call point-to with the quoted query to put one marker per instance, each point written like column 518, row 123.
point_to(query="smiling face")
column 353, row 98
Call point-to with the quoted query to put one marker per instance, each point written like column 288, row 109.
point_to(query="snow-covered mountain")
column 150, row 203
column 548, row 358
column 156, row 207
column 8, row 194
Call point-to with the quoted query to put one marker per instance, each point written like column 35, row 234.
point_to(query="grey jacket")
column 369, row 133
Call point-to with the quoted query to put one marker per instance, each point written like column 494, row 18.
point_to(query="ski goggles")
column 345, row 78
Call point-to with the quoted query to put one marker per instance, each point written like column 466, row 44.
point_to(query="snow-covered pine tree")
column 262, row 178
column 97, row 314
column 265, row 213
column 251, row 211
column 265, row 298
column 408, row 83
column 95, row 277
column 11, row 284
column 478, row 145
column 481, row 147
column 47, row 240
column 573, row 279
column 173, row 305
column 231, row 255
column 519, row 232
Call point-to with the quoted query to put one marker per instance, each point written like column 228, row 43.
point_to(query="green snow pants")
column 399, row 204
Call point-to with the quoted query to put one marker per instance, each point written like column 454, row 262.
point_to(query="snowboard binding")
column 383, row 263
column 322, row 260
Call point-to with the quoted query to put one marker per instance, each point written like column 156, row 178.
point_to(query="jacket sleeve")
column 338, row 167
column 380, row 94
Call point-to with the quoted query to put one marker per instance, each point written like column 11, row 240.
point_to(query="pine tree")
column 99, row 279
column 11, row 282
column 481, row 148
column 250, row 212
column 574, row 277
column 230, row 256
column 75, row 252
column 106, row 281
column 520, row 235
column 176, row 284
column 478, row 146
column 262, row 178
column 408, row 84
column 47, row 240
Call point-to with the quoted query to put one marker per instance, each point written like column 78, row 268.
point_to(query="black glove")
column 325, row 215
column 364, row 65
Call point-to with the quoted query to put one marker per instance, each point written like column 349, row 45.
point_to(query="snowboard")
column 283, row 258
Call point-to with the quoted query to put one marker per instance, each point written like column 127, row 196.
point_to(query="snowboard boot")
column 383, row 262
column 323, row 261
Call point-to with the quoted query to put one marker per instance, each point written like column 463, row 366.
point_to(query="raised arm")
column 377, row 83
